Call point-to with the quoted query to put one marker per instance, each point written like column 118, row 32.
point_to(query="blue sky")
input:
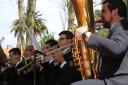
column 8, row 13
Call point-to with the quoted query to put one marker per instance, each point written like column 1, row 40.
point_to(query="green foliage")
column 44, row 38
column 97, row 14
column 102, row 32
column 20, row 31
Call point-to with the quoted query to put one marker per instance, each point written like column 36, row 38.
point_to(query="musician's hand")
column 80, row 31
column 49, row 58
column 58, row 57
column 38, row 65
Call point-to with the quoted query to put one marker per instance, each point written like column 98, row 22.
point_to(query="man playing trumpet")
column 10, row 75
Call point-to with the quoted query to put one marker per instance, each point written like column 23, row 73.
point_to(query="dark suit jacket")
column 69, row 58
column 50, row 72
column 29, row 77
column 68, row 75
column 9, row 76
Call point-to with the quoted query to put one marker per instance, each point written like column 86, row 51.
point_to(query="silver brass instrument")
column 25, row 69
column 59, row 49
column 42, row 55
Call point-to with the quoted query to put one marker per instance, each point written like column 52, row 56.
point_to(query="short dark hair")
column 51, row 42
column 16, row 51
column 29, row 48
column 68, row 34
column 119, row 4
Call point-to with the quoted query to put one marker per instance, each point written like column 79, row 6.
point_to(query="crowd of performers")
column 57, row 65
column 53, row 65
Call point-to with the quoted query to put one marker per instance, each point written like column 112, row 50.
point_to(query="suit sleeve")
column 116, row 45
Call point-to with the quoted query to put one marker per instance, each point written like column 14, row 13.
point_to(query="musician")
column 65, row 38
column 50, row 45
column 10, row 76
column 66, row 74
column 53, row 72
column 28, row 77
column 48, row 68
column 114, row 49
column 29, row 53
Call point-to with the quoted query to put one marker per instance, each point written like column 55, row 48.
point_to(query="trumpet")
column 41, row 56
column 58, row 49
column 24, row 69
column 27, row 64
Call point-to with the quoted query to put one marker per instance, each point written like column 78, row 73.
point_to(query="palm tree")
column 27, row 20
column 37, row 29
column 21, row 32
column 46, row 37
column 31, row 6
column 71, row 15
column 18, row 27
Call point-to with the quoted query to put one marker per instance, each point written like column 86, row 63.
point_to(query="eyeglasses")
column 63, row 38
column 14, row 56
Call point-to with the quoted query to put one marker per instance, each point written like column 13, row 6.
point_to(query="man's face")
column 27, row 53
column 106, row 15
column 63, row 40
column 58, row 57
column 47, row 46
column 14, row 58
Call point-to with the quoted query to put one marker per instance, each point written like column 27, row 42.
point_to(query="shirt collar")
column 116, row 23
column 66, row 50
column 62, row 64
column 17, row 63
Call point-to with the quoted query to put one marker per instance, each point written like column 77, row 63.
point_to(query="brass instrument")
column 27, row 64
column 25, row 69
column 41, row 56
column 60, row 49
column 82, row 55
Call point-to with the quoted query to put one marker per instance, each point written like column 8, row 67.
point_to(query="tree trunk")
column 71, row 15
column 31, row 7
column 21, row 42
